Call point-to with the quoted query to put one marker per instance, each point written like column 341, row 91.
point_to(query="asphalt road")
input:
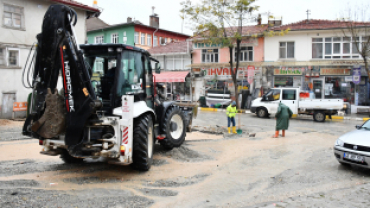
column 209, row 170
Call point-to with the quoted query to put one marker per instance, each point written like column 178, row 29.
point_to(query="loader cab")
column 119, row 69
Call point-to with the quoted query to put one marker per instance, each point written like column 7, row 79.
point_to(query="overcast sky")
column 117, row 11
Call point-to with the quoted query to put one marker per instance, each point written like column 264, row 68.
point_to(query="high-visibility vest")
column 231, row 111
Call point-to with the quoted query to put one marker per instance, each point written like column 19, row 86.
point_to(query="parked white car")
column 319, row 108
column 354, row 147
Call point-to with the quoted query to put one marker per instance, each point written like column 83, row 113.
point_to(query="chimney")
column 129, row 19
column 95, row 4
column 259, row 19
column 154, row 19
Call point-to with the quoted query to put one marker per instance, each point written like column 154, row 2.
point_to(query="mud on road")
column 207, row 171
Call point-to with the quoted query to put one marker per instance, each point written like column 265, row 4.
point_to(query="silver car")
column 354, row 147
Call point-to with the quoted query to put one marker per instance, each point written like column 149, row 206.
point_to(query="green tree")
column 221, row 22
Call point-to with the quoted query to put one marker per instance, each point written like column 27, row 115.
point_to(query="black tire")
column 319, row 116
column 143, row 143
column 174, row 138
column 262, row 113
column 67, row 158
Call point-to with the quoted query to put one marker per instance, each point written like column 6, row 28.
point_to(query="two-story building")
column 175, row 60
column 212, row 61
column 22, row 21
column 133, row 32
column 317, row 56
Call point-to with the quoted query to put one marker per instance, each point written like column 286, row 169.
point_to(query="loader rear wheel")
column 67, row 158
column 174, row 127
column 143, row 143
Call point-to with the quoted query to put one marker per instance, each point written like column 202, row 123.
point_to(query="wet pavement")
column 211, row 169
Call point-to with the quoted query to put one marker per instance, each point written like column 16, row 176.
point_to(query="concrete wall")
column 302, row 44
column 224, row 55
column 129, row 29
column 172, row 62
column 22, row 39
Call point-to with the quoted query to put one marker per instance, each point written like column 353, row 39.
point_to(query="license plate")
column 353, row 157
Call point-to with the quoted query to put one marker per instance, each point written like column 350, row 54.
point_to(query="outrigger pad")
column 52, row 122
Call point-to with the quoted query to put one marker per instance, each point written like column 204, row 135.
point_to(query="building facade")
column 211, row 62
column 319, row 57
column 175, row 60
column 135, row 33
column 22, row 21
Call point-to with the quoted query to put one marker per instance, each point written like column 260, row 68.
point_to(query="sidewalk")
column 356, row 117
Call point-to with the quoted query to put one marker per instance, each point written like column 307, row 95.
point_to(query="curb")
column 294, row 115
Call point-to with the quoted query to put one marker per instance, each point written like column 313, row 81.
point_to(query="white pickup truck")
column 319, row 108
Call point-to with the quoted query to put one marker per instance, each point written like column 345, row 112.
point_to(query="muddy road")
column 209, row 170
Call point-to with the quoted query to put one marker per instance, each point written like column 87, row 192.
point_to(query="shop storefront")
column 178, row 85
column 288, row 76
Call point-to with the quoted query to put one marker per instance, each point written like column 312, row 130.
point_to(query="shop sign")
column 356, row 75
column 223, row 73
column 207, row 45
column 288, row 71
column 326, row 71
column 250, row 74
column 348, row 79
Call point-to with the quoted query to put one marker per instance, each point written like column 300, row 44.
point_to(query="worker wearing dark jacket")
column 231, row 112
column 282, row 119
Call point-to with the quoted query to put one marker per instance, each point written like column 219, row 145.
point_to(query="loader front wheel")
column 174, row 127
column 143, row 143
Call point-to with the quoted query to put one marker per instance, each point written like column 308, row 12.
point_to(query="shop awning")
column 178, row 76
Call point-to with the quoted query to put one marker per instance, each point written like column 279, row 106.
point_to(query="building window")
column 13, row 16
column 162, row 40
column 149, row 40
column 13, row 57
column 286, row 50
column 336, row 47
column 170, row 40
column 210, row 55
column 124, row 40
column 99, row 39
column 155, row 41
column 246, row 54
column 124, row 33
column 142, row 39
column 115, row 38
column 136, row 38
column 2, row 57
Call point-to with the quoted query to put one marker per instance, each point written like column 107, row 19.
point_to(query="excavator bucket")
column 52, row 122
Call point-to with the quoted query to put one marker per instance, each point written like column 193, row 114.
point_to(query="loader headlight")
column 110, row 50
column 345, row 106
column 339, row 142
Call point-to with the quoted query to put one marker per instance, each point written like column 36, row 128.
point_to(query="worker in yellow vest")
column 231, row 112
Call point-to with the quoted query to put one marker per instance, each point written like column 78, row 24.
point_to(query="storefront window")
column 283, row 81
column 337, row 87
column 178, row 90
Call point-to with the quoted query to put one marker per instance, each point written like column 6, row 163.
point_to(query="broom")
column 239, row 130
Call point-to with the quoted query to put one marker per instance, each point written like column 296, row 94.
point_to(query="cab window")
column 289, row 94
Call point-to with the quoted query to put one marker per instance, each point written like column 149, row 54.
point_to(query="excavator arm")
column 58, row 53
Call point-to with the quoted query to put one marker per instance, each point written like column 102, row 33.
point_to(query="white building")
column 175, row 60
column 22, row 21
column 317, row 56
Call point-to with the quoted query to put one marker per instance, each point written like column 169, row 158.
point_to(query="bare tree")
column 221, row 22
column 357, row 27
